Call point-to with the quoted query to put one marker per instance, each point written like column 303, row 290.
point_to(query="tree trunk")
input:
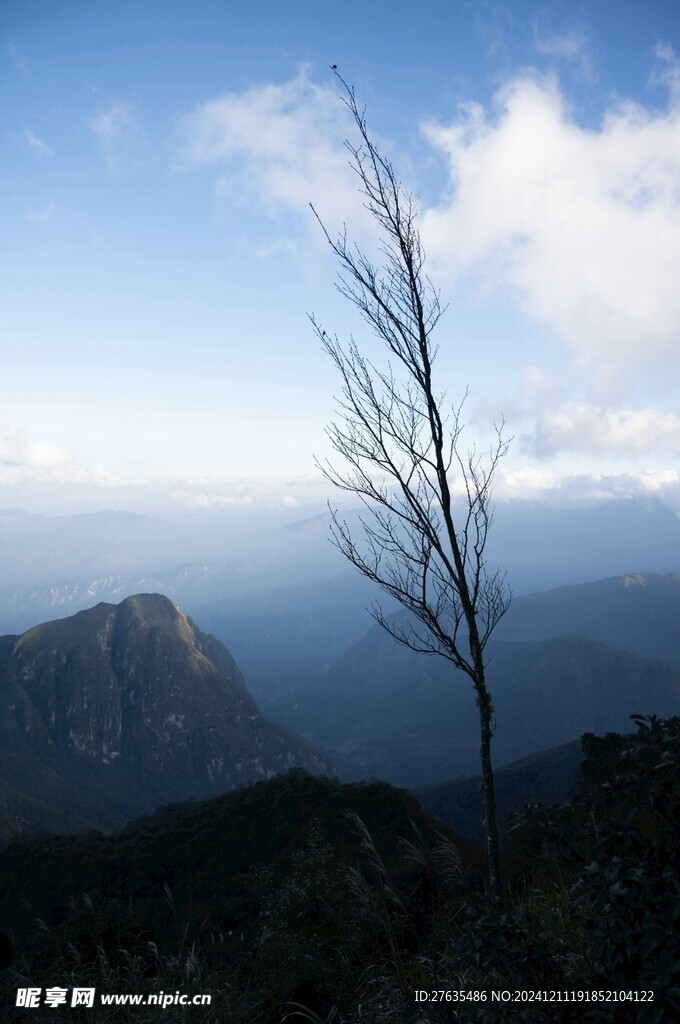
column 488, row 786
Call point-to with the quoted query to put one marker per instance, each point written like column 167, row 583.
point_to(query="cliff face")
column 137, row 694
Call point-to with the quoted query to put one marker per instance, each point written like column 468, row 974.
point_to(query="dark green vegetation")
column 209, row 852
column 546, row 778
column 387, row 712
column 349, row 915
column 109, row 713
column 224, row 879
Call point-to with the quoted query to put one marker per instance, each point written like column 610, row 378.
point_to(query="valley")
column 292, row 628
column 230, row 749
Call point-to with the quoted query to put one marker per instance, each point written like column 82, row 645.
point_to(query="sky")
column 160, row 259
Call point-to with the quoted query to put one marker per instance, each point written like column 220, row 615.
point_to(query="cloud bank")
column 580, row 224
column 585, row 428
column 527, row 483
column 24, row 459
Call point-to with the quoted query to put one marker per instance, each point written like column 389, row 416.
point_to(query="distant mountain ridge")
column 54, row 566
column 636, row 612
column 193, row 581
column 121, row 707
column 383, row 711
column 548, row 777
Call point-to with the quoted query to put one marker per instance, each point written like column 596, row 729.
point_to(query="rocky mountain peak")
column 138, row 687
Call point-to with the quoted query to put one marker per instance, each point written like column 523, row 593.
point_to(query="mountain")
column 110, row 712
column 210, row 853
column 639, row 612
column 189, row 584
column 543, row 546
column 55, row 566
column 544, row 778
column 384, row 711
column 287, row 636
column 36, row 549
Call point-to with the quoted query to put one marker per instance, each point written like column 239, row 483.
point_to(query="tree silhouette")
column 400, row 452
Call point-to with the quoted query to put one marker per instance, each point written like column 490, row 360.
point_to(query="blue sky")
column 159, row 257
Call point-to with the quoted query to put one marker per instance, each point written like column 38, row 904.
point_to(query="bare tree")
column 400, row 454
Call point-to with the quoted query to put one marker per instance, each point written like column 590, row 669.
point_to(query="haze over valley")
column 565, row 660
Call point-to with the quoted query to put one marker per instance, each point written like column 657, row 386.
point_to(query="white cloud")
column 202, row 493
column 590, row 429
column 24, row 459
column 37, row 146
column 118, row 134
column 581, row 224
column 18, row 449
column 281, row 145
column 525, row 482
column 528, row 484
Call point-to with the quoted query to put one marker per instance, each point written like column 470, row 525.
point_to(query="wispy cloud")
column 494, row 22
column 205, row 501
column 570, row 47
column 39, row 216
column 203, row 493
column 118, row 135
column 37, row 145
column 24, row 459
column 18, row 60
column 666, row 74
column 280, row 146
